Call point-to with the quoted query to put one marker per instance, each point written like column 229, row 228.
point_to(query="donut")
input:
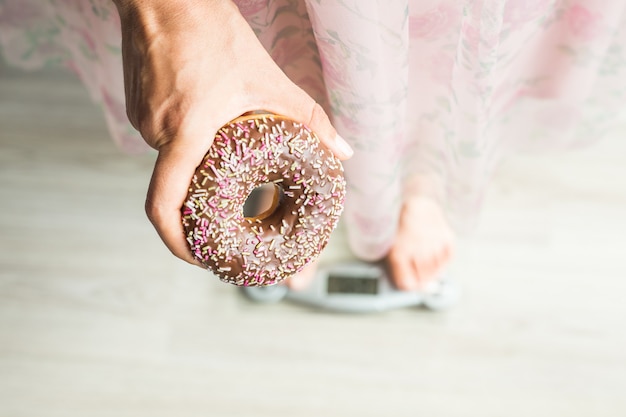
column 310, row 189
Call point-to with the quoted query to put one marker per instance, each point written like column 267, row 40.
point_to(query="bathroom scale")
column 358, row 287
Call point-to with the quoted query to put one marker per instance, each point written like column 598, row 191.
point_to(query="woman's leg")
column 364, row 49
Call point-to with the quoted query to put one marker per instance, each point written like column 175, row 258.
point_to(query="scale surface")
column 358, row 287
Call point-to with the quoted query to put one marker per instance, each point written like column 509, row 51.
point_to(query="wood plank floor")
column 97, row 319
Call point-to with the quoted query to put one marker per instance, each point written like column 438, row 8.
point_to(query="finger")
column 317, row 120
column 302, row 108
column 167, row 192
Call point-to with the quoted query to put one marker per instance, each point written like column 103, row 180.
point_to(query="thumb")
column 316, row 119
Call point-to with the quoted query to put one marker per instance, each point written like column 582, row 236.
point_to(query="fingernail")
column 343, row 147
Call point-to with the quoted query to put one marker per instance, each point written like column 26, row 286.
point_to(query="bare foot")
column 423, row 245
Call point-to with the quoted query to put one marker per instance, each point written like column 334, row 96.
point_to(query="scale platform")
column 358, row 287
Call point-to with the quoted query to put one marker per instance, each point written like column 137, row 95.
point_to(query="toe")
column 425, row 270
column 302, row 279
column 403, row 274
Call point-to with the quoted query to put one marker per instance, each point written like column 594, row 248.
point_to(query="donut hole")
column 263, row 201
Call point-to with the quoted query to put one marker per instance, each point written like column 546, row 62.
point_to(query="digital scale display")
column 342, row 284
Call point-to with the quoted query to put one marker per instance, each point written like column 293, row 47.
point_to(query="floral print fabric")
column 437, row 88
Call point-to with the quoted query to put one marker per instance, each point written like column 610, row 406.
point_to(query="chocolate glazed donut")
column 310, row 191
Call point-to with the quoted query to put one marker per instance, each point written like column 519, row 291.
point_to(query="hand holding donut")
column 191, row 66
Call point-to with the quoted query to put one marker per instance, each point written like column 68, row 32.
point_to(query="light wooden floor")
column 96, row 319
